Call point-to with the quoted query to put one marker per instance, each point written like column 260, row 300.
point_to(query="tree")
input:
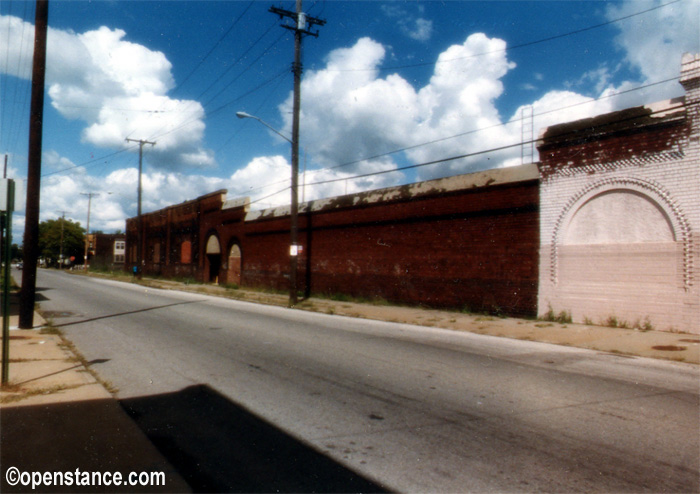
column 16, row 252
column 50, row 240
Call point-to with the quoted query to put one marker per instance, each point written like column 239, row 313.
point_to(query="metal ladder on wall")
column 527, row 131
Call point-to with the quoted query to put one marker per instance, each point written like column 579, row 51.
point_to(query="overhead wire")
column 395, row 67
column 192, row 102
column 157, row 133
column 551, row 38
column 469, row 155
column 13, row 113
column 514, row 47
column 501, row 124
column 6, row 70
column 263, row 102
column 221, row 39
column 225, row 105
column 238, row 59
column 472, row 131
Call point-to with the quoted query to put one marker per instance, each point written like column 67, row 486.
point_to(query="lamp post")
column 294, row 210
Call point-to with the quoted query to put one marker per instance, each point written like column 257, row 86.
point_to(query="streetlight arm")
column 242, row 114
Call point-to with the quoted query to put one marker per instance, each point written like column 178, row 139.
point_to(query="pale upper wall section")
column 619, row 217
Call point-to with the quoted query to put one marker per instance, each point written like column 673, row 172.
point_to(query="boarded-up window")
column 234, row 265
column 186, row 252
column 156, row 254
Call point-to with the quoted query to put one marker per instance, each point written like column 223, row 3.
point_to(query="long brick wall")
column 467, row 242
column 606, row 227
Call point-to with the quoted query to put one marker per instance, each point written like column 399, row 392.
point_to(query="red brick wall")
column 473, row 249
column 624, row 135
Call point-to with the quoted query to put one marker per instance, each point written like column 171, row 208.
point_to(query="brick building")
column 605, row 226
column 108, row 251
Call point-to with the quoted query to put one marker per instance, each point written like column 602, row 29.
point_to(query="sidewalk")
column 56, row 417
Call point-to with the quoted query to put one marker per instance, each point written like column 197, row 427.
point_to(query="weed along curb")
column 619, row 338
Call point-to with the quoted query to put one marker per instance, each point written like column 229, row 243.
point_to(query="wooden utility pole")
column 299, row 27
column 89, row 195
column 36, row 117
column 60, row 255
column 139, row 245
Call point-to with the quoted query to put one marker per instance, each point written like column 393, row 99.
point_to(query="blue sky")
column 381, row 77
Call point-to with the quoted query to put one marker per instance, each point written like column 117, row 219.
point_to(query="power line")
column 187, row 122
column 246, row 69
column 408, row 167
column 514, row 47
column 467, row 155
column 94, row 161
column 215, row 46
column 501, row 124
column 225, row 105
column 223, row 74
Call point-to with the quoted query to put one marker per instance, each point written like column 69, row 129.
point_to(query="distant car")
column 20, row 265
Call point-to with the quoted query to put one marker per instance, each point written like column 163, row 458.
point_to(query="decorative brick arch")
column 651, row 190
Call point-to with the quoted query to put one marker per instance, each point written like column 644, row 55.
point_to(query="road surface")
column 226, row 388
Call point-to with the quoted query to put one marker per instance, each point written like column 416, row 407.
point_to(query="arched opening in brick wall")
column 234, row 265
column 618, row 257
column 212, row 259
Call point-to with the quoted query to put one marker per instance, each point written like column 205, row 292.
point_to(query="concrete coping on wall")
column 488, row 178
column 239, row 202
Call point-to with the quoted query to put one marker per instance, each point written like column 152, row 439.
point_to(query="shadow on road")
column 108, row 316
column 217, row 446
column 90, row 435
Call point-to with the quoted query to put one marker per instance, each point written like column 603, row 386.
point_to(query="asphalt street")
column 223, row 387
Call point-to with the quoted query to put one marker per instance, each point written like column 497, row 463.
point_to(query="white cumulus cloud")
column 118, row 88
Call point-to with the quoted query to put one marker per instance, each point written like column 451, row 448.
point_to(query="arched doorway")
column 234, row 265
column 213, row 259
column 619, row 258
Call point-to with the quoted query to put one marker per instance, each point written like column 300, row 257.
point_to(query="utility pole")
column 299, row 27
column 31, row 217
column 139, row 235
column 89, row 195
column 60, row 255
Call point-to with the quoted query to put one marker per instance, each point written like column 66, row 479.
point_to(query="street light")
column 294, row 209
column 242, row 114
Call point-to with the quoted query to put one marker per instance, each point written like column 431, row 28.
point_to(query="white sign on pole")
column 7, row 195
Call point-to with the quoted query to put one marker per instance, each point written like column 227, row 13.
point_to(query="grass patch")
column 611, row 322
column 563, row 317
column 19, row 393
column 79, row 358
column 50, row 328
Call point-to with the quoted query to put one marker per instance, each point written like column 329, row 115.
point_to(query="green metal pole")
column 7, row 259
